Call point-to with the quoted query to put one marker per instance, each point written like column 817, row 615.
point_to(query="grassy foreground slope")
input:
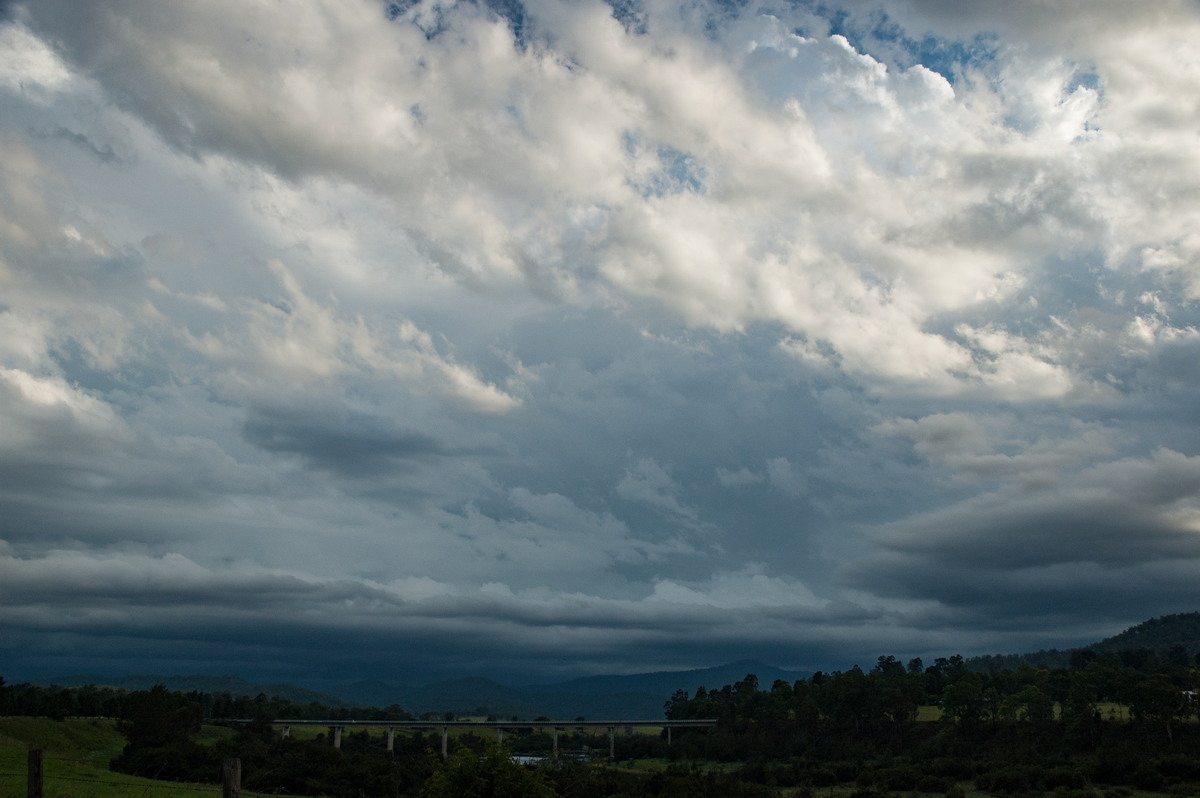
column 77, row 754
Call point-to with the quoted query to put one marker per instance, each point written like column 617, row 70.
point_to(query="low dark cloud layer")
column 345, row 343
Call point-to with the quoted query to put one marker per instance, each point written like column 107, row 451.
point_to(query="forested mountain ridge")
column 1159, row 636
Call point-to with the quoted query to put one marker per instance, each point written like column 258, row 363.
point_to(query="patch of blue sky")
column 433, row 24
column 678, row 171
column 1085, row 78
column 514, row 12
column 630, row 13
column 948, row 57
column 879, row 36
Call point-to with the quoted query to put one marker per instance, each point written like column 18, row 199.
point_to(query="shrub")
column 1006, row 780
column 1063, row 792
column 1064, row 777
column 898, row 779
column 1179, row 767
column 846, row 771
column 952, row 768
column 1113, row 767
column 1147, row 777
column 869, row 792
column 932, row 784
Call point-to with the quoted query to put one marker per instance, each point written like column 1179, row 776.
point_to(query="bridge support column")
column 391, row 738
column 445, row 737
column 612, row 742
column 337, row 736
column 499, row 735
column 554, row 732
column 668, row 737
column 286, row 733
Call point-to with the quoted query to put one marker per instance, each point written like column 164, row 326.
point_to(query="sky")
column 348, row 339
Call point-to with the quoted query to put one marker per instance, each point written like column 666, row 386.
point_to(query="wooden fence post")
column 231, row 778
column 35, row 774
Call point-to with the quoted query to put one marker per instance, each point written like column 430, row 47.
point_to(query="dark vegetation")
column 1113, row 719
column 1108, row 723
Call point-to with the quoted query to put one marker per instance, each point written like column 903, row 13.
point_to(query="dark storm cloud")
column 351, row 444
column 171, row 605
column 103, row 152
column 1112, row 538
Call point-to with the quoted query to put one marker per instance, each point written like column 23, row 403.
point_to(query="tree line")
column 115, row 702
column 1120, row 718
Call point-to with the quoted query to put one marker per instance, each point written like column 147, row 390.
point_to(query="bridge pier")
column 337, row 726
column 500, row 735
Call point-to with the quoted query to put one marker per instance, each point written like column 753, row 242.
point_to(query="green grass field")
column 76, row 761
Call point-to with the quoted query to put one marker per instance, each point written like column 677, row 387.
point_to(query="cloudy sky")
column 344, row 338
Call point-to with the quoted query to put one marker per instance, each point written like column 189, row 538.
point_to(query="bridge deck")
column 489, row 724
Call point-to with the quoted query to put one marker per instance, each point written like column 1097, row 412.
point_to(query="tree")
column 492, row 775
column 1078, row 706
column 962, row 701
column 675, row 706
column 1036, row 706
column 159, row 730
column 160, row 719
column 1157, row 701
column 888, row 665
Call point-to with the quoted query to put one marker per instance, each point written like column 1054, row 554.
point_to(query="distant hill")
column 633, row 696
column 479, row 696
column 372, row 693
column 664, row 683
column 233, row 685
column 639, row 695
column 1049, row 658
column 1157, row 634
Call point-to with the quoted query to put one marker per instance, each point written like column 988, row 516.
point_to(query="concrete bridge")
column 499, row 725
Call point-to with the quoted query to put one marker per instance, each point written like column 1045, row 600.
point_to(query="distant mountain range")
column 636, row 696
column 639, row 695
